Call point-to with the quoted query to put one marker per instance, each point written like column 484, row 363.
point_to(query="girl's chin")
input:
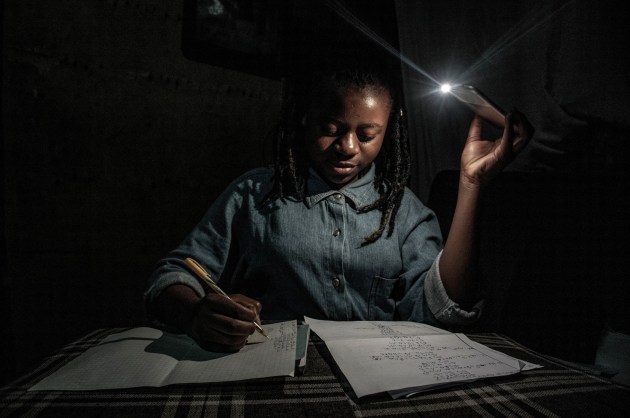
column 340, row 180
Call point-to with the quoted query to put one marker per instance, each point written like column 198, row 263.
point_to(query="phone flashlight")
column 477, row 101
column 445, row 88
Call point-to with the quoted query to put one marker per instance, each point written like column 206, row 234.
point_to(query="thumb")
column 474, row 131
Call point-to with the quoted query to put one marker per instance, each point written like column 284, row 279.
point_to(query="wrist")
column 469, row 196
column 469, row 184
column 178, row 305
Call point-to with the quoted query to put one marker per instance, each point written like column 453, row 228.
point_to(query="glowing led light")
column 445, row 88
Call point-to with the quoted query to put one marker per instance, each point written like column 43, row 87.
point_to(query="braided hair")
column 291, row 162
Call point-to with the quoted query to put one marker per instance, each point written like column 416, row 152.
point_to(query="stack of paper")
column 403, row 358
column 151, row 357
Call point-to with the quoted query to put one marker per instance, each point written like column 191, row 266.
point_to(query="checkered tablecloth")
column 554, row 390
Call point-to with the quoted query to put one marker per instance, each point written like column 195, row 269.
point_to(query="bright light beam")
column 347, row 15
column 525, row 26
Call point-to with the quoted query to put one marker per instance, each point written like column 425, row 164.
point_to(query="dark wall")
column 114, row 145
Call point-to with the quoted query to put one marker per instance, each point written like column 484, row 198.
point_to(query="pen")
column 205, row 276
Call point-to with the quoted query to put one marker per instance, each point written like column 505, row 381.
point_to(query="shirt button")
column 338, row 196
column 336, row 232
column 336, row 282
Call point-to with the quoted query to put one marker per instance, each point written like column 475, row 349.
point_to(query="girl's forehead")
column 374, row 94
column 367, row 90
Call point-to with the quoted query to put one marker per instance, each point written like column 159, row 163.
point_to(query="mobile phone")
column 479, row 103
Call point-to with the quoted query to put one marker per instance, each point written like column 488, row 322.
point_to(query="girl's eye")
column 366, row 135
column 330, row 130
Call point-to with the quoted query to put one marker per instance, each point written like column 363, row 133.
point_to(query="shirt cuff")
column 169, row 279
column 445, row 310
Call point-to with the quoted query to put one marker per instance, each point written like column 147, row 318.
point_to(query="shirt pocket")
column 381, row 304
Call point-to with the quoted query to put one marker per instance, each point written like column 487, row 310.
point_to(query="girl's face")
column 345, row 133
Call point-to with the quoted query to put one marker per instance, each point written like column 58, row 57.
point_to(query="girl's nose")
column 348, row 144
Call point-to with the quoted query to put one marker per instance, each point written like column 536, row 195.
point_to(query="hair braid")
column 393, row 179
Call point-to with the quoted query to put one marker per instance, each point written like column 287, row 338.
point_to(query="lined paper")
column 404, row 358
column 150, row 357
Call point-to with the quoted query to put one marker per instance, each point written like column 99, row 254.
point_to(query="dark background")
column 120, row 126
column 114, row 144
column 555, row 231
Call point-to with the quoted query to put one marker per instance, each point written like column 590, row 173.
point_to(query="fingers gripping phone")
column 479, row 103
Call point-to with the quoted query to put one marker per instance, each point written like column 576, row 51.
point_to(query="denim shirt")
column 308, row 257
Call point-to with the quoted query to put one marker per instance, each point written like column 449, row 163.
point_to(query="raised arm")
column 481, row 161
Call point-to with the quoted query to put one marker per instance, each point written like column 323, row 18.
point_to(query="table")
column 557, row 389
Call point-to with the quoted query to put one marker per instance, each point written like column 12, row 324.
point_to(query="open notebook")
column 150, row 357
column 404, row 358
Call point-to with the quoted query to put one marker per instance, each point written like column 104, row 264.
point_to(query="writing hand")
column 221, row 324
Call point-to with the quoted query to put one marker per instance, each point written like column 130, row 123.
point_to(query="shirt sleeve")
column 162, row 281
column 425, row 298
column 443, row 308
column 209, row 243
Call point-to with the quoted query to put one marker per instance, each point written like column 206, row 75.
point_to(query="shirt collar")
column 360, row 192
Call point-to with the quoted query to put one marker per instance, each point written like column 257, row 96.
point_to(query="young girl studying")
column 332, row 231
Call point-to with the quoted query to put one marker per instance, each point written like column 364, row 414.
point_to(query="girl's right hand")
column 221, row 324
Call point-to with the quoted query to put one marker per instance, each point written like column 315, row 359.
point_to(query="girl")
column 331, row 231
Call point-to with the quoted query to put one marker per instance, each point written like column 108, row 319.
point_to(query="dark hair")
column 291, row 163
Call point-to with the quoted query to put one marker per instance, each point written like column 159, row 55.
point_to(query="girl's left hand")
column 483, row 159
